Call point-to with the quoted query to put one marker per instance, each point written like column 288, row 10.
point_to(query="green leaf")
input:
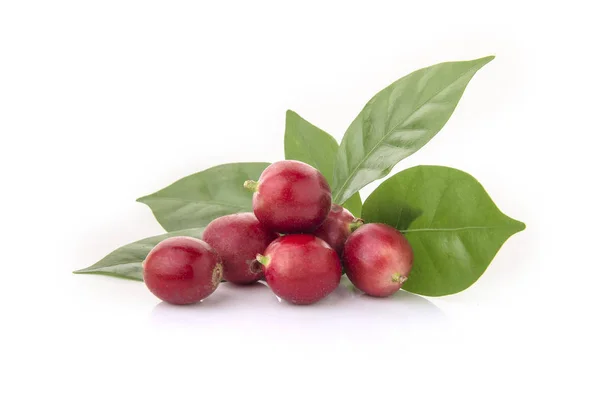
column 354, row 205
column 307, row 143
column 452, row 224
column 126, row 262
column 199, row 198
column 398, row 121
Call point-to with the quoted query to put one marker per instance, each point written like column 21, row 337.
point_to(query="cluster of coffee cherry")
column 295, row 240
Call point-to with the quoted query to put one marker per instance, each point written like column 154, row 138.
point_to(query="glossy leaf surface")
column 452, row 224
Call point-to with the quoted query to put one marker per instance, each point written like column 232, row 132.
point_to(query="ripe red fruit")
column 290, row 197
column 301, row 269
column 338, row 225
column 378, row 259
column 182, row 270
column 238, row 238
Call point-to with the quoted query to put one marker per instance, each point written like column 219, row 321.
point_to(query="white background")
column 104, row 101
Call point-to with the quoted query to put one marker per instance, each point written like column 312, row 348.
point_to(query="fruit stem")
column 251, row 185
column 397, row 278
column 264, row 260
column 217, row 275
column 356, row 223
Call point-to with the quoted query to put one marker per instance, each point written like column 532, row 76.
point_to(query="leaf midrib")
column 98, row 268
column 385, row 136
column 212, row 202
column 463, row 228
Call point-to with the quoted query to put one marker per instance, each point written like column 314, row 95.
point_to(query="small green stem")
column 356, row 223
column 397, row 278
column 251, row 185
column 264, row 260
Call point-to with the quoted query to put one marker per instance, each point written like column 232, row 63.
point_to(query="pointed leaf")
column 126, row 262
column 312, row 145
column 452, row 224
column 307, row 143
column 199, row 198
column 398, row 121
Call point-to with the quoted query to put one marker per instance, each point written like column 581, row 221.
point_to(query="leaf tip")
column 291, row 115
column 517, row 225
column 487, row 59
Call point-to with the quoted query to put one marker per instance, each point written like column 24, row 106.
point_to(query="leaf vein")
column 462, row 228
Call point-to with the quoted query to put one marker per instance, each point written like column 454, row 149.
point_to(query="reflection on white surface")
column 255, row 310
